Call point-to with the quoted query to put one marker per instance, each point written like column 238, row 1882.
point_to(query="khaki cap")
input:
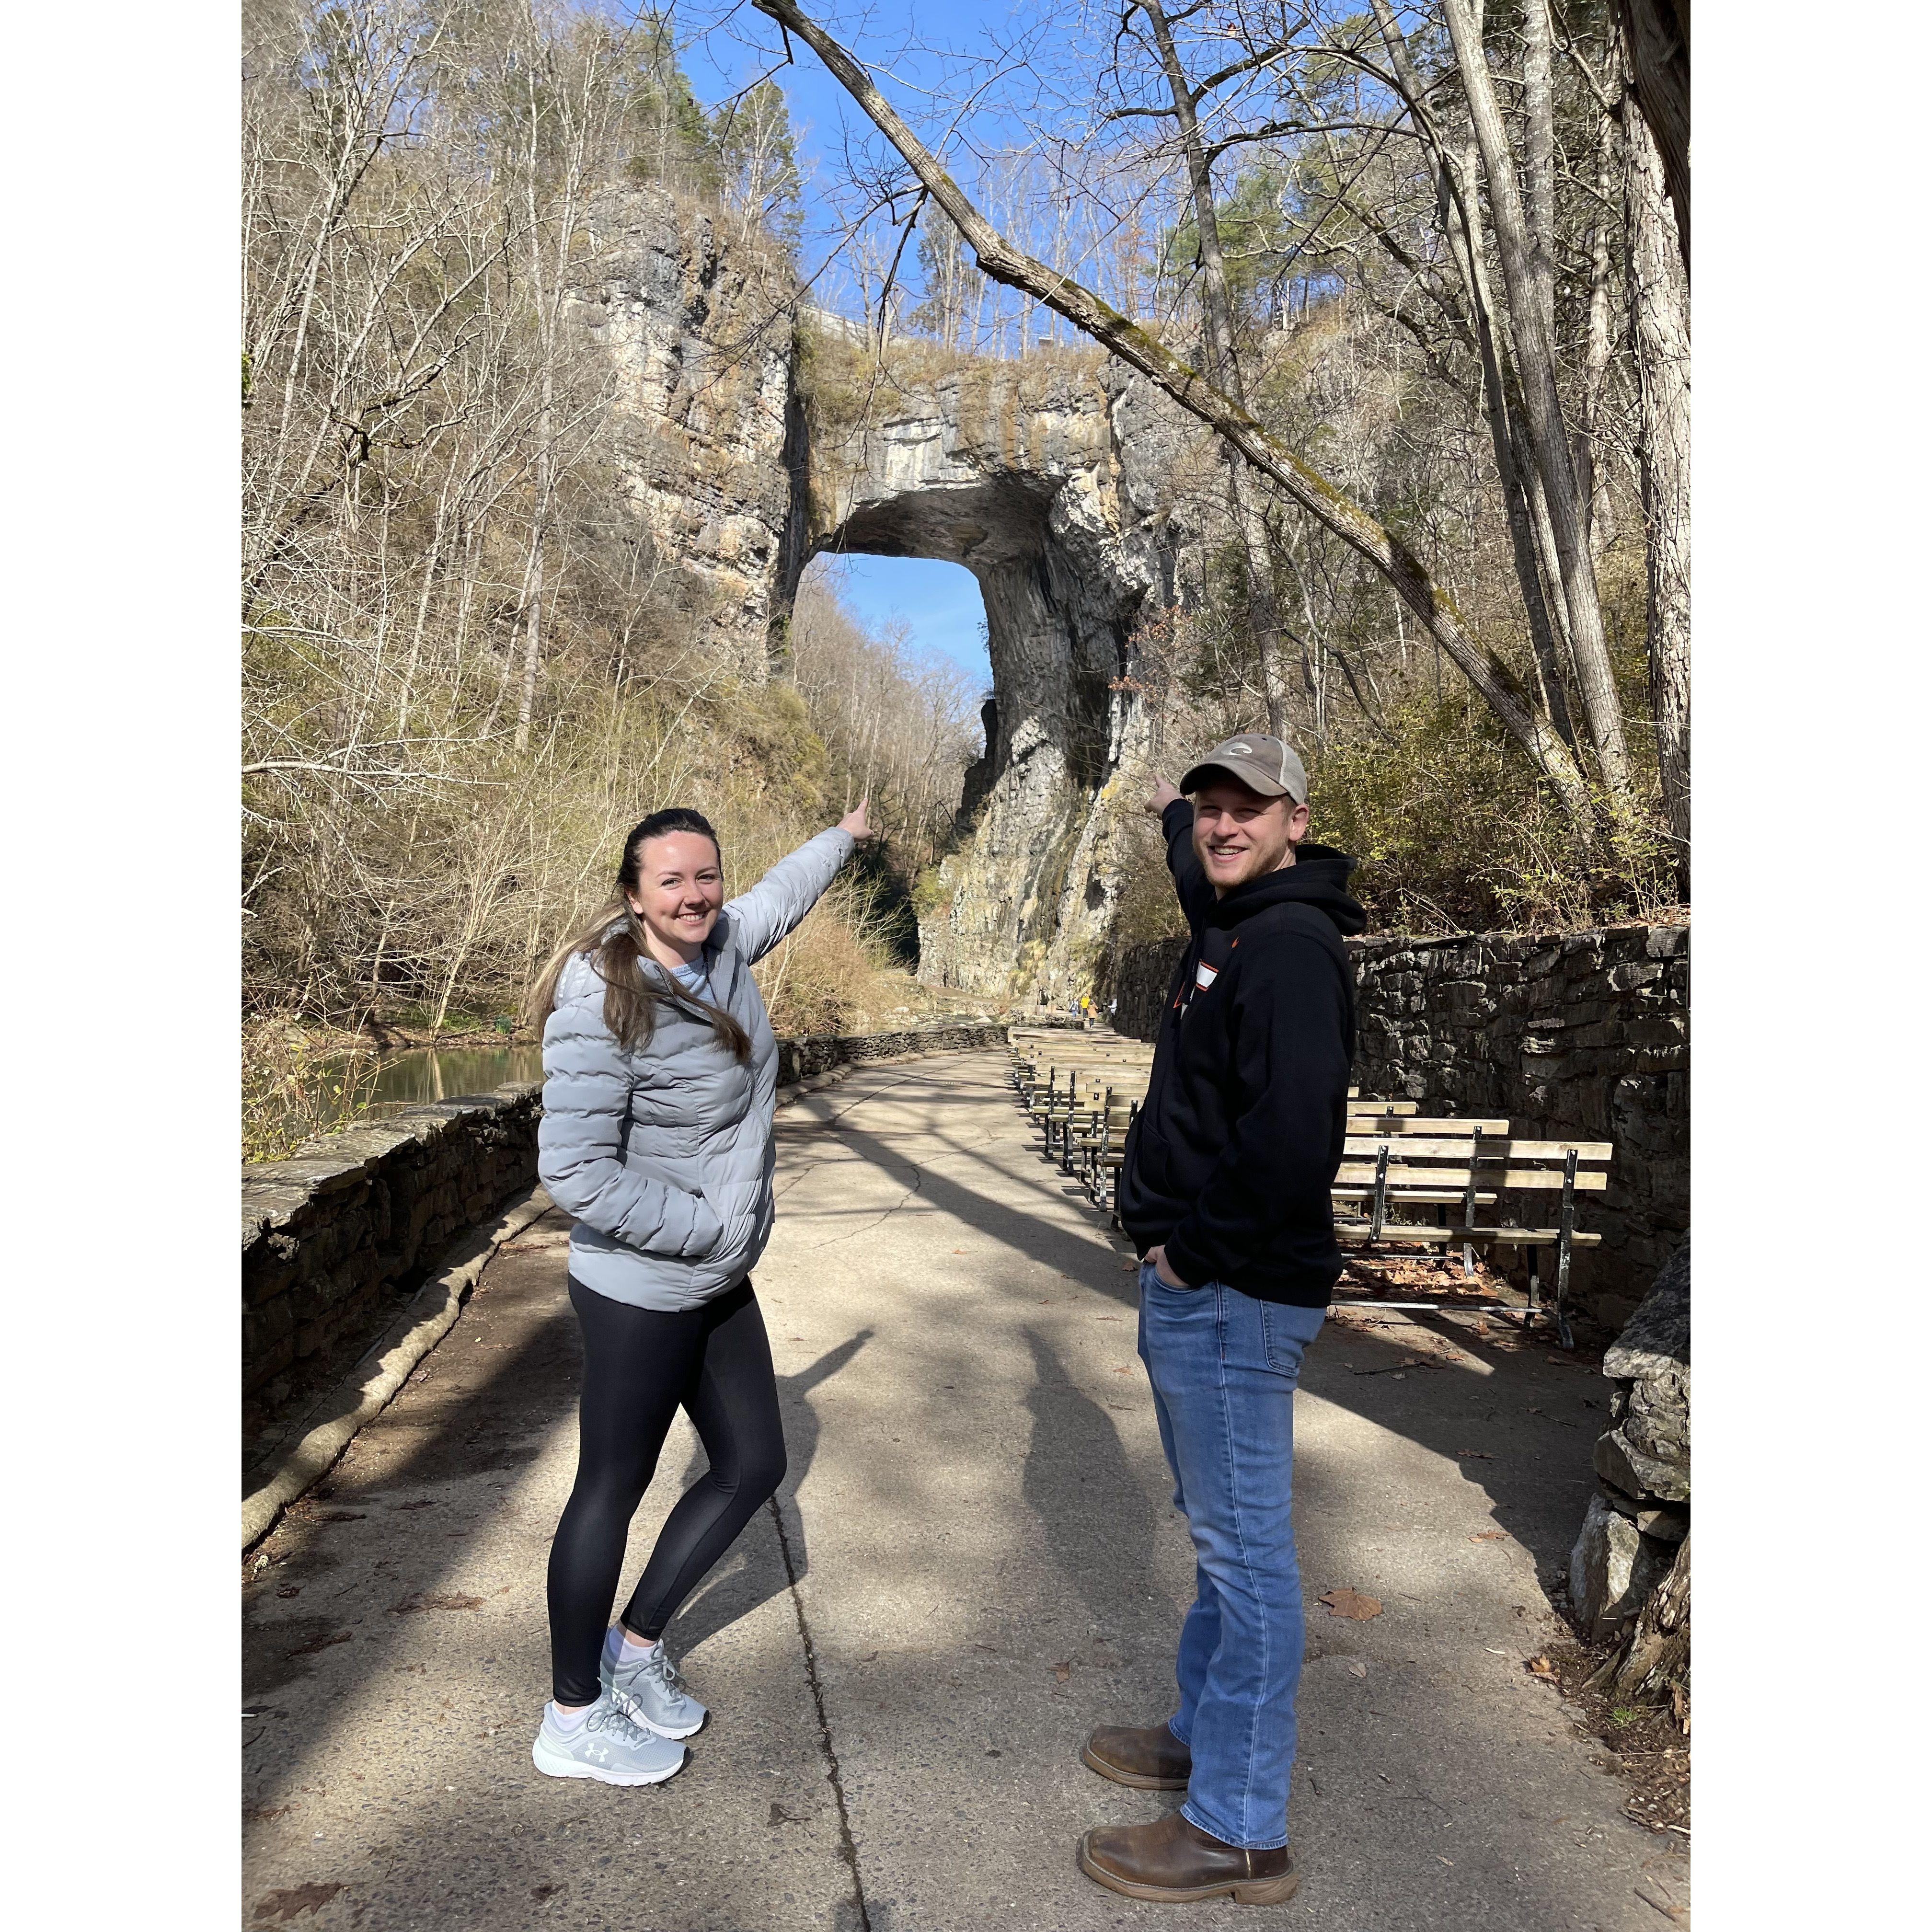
column 1264, row 765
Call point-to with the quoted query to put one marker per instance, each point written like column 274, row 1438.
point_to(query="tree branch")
column 1330, row 507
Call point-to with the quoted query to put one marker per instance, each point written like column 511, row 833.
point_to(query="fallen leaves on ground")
column 1488, row 1536
column 1473, row 1456
column 1063, row 1671
column 1541, row 1666
column 294, row 1899
column 1352, row 1604
column 1358, row 1669
column 412, row 1602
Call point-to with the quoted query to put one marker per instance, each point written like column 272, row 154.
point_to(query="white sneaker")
column 650, row 1690
column 607, row 1746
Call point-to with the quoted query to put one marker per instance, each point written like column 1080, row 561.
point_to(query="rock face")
column 1613, row 1570
column 1056, row 481
column 693, row 327
column 1642, row 1511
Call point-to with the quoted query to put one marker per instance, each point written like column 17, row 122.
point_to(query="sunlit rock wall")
column 1056, row 482
column 690, row 324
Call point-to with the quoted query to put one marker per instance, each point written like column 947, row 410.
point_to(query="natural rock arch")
column 1052, row 484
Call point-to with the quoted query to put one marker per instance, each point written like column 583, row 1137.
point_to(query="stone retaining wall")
column 819, row 1052
column 1640, row 1516
column 1571, row 1035
column 333, row 1236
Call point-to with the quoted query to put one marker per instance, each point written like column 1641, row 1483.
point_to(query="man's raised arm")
column 1177, row 825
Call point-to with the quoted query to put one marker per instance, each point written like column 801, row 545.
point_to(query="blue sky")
column 727, row 44
column 940, row 601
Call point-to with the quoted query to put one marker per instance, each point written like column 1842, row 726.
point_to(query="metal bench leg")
column 1469, row 1219
column 1535, row 1307
column 1566, row 1226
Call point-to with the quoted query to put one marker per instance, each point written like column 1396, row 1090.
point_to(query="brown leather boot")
column 1151, row 1758
column 1174, row 1860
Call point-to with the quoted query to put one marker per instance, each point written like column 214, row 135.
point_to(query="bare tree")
column 1528, row 276
column 1224, row 362
column 1660, row 290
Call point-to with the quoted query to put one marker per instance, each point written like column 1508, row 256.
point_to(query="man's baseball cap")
column 1264, row 765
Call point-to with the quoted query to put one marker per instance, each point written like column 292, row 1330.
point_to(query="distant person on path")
column 660, row 1071
column 1225, row 1194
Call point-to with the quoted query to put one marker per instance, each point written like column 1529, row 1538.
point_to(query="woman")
column 659, row 1073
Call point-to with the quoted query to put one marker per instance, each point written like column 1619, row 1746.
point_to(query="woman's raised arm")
column 763, row 916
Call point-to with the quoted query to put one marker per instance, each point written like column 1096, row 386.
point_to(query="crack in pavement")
column 865, row 1228
column 848, row 1848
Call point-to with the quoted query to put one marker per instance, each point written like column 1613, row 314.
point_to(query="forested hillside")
column 467, row 666
column 1416, row 268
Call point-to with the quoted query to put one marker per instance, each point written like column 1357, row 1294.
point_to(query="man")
column 1224, row 1193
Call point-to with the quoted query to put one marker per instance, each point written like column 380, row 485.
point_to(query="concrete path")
column 974, row 1560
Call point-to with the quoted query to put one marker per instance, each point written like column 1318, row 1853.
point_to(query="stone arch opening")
column 1042, row 674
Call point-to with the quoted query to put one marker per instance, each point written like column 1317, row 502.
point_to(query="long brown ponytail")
column 634, row 983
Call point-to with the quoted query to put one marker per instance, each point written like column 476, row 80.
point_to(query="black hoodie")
column 1230, row 1160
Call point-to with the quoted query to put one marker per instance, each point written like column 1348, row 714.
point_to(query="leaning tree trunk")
column 1660, row 301
column 1333, row 508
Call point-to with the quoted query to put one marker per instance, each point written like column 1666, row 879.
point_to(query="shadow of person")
column 1099, row 1520
column 754, row 1572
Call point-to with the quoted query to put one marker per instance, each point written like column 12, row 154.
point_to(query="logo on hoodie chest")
column 1207, row 970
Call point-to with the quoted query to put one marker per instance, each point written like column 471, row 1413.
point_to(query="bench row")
column 1084, row 1092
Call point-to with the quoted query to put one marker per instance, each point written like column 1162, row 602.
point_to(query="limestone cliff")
column 694, row 321
column 1059, row 483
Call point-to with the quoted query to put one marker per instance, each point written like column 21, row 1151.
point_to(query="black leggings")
column 640, row 1366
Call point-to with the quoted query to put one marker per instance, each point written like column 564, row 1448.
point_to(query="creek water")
column 362, row 1086
column 442, row 1072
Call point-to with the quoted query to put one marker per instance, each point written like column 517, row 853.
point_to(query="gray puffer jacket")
column 664, row 1155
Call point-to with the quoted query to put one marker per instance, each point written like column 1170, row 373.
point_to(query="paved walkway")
column 973, row 1561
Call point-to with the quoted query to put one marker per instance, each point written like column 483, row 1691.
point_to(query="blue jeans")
column 1224, row 1368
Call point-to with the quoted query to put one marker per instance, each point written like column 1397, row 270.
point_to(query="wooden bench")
column 1457, row 1175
